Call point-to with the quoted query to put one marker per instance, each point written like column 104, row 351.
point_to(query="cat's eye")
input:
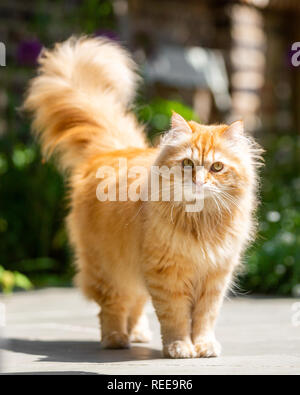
column 187, row 163
column 217, row 166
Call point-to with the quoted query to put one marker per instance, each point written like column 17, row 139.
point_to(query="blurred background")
column 209, row 60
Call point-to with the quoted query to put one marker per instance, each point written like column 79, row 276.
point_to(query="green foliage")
column 93, row 11
column 273, row 263
column 32, row 209
column 11, row 280
column 157, row 113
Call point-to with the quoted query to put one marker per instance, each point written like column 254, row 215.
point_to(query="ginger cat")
column 128, row 250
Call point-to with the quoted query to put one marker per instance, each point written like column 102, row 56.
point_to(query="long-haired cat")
column 129, row 249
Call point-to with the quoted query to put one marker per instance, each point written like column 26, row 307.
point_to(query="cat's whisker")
column 229, row 198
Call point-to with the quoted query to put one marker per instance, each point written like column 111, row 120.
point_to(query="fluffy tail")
column 80, row 98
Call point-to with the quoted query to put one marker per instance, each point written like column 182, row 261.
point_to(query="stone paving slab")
column 55, row 330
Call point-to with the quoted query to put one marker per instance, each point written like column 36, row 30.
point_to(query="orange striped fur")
column 127, row 251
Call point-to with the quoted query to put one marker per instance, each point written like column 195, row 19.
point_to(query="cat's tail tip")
column 82, row 86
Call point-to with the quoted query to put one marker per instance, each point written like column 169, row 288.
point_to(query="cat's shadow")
column 78, row 351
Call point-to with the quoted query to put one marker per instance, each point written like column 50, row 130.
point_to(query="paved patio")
column 56, row 331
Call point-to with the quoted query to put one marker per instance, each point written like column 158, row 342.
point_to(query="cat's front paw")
column 208, row 348
column 115, row 340
column 179, row 349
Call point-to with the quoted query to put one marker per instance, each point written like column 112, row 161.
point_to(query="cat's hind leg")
column 113, row 320
column 115, row 305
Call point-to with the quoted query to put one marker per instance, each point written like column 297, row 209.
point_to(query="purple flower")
column 107, row 33
column 28, row 52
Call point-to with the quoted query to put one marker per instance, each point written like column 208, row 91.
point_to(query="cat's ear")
column 235, row 130
column 180, row 130
column 179, row 124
